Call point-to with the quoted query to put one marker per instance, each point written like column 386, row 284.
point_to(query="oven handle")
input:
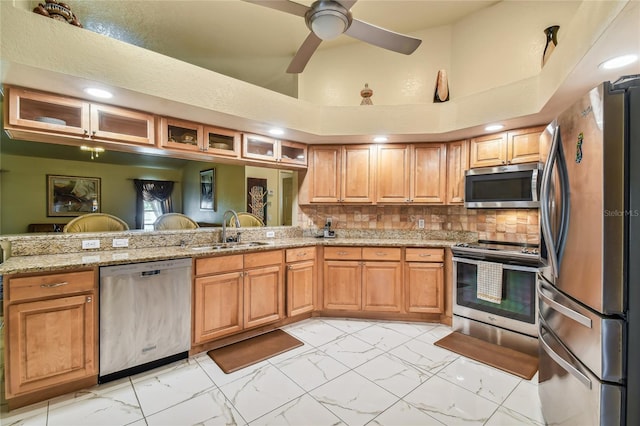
column 560, row 308
column 566, row 365
column 504, row 265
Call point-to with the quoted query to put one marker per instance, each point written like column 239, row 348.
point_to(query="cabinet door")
column 490, row 150
column 181, row 135
column 293, row 153
column 325, row 165
column 429, row 178
column 393, row 175
column 51, row 342
column 49, row 113
column 424, row 291
column 217, row 306
column 222, row 142
column 301, row 278
column 523, row 146
column 457, row 165
column 259, row 147
column 382, row 286
column 263, row 296
column 358, row 174
column 342, row 285
column 119, row 124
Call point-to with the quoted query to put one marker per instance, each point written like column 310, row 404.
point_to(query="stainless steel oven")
column 510, row 316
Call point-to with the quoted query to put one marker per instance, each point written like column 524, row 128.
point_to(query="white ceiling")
column 221, row 34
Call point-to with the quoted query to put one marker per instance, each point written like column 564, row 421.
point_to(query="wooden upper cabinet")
column 429, row 173
column 513, row 147
column 263, row 148
column 457, row 165
column 341, row 174
column 358, row 174
column 180, row 134
column 523, row 146
column 490, row 150
column 393, row 173
column 222, row 142
column 48, row 114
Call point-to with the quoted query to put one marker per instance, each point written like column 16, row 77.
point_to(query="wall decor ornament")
column 57, row 10
column 551, row 34
column 366, row 94
column 441, row 93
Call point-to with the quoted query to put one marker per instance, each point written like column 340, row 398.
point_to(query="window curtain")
column 152, row 190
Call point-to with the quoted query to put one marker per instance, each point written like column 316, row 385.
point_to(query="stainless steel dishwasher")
column 145, row 316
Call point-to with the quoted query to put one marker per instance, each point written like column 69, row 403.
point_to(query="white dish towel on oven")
column 489, row 282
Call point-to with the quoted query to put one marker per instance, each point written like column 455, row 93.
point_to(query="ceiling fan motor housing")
column 321, row 19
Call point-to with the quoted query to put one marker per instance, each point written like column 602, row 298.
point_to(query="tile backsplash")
column 501, row 225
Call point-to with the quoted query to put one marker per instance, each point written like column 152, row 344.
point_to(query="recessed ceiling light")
column 98, row 93
column 380, row 139
column 619, row 62
column 276, row 132
column 494, row 127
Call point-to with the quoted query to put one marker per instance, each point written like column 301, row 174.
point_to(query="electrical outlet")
column 120, row 242
column 90, row 244
column 271, row 234
column 420, row 223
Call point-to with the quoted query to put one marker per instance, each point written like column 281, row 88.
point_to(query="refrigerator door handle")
column 566, row 365
column 562, row 309
column 544, row 203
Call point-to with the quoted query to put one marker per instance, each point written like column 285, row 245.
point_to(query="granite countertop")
column 49, row 262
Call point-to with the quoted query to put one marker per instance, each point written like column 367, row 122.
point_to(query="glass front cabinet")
column 189, row 136
column 274, row 150
column 53, row 114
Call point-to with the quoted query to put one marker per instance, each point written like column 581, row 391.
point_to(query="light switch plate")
column 90, row 244
column 271, row 234
column 420, row 223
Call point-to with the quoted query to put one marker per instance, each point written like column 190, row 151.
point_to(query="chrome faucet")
column 224, row 224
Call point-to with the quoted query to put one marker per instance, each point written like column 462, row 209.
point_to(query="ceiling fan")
column 327, row 19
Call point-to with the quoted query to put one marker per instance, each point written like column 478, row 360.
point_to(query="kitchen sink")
column 232, row 245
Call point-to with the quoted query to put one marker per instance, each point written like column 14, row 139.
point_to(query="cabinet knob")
column 89, row 299
column 289, row 267
column 86, row 132
column 93, row 134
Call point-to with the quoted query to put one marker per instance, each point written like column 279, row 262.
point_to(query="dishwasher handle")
column 150, row 273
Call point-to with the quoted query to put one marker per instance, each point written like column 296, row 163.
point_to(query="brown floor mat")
column 506, row 359
column 251, row 351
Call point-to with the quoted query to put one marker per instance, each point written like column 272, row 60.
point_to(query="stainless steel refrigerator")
column 589, row 289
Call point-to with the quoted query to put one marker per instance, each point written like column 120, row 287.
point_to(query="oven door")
column 518, row 309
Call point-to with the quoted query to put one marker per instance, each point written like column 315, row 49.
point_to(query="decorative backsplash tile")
column 500, row 225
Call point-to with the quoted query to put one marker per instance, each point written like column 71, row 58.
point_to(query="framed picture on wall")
column 208, row 189
column 72, row 195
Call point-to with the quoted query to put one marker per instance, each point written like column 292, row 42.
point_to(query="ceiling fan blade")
column 283, row 6
column 303, row 54
column 347, row 4
column 382, row 37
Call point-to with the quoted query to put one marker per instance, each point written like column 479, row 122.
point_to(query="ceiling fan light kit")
column 328, row 19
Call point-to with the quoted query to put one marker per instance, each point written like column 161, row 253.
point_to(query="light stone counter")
column 42, row 253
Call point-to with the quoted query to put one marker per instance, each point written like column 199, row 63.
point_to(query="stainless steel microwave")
column 503, row 187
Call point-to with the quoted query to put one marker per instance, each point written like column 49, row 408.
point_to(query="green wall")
column 228, row 190
column 23, row 188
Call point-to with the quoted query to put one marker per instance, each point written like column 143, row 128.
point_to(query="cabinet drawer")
column 343, row 253
column 254, row 260
column 424, row 255
column 381, row 253
column 214, row 265
column 35, row 287
column 303, row 253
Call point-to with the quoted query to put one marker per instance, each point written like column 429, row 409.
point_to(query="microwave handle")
column 534, row 185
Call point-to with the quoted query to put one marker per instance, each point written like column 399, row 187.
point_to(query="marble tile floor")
column 348, row 372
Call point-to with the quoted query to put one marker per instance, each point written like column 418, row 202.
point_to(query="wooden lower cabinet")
column 262, row 296
column 51, row 331
column 218, row 305
column 301, row 279
column 342, row 284
column 382, row 286
column 424, row 281
column 236, row 292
